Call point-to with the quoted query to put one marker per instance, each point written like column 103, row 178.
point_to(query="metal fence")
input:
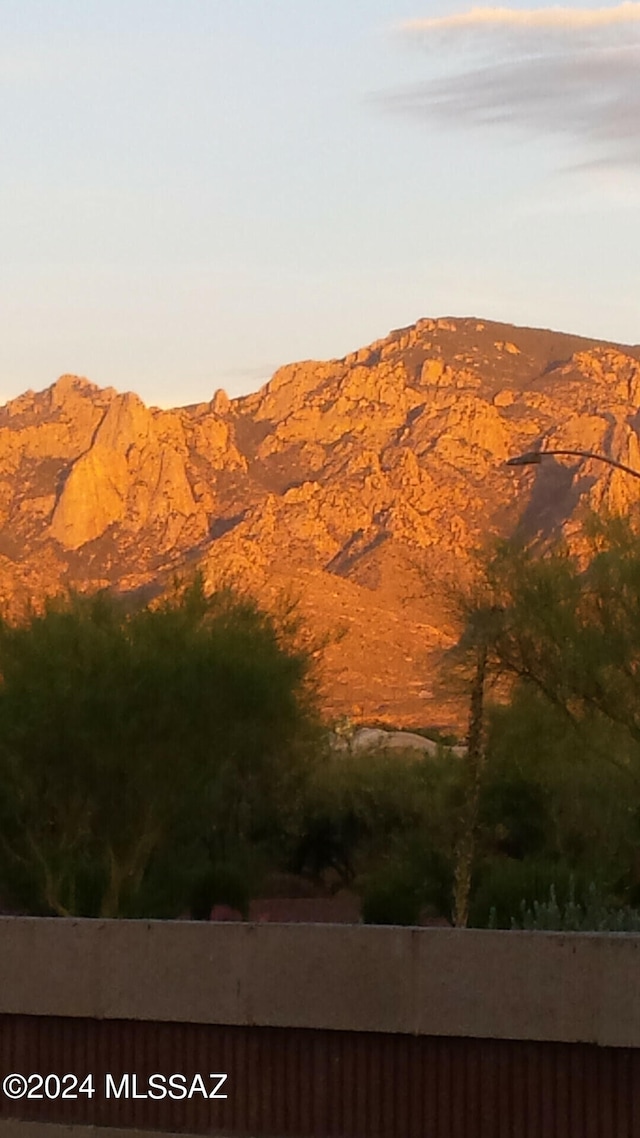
column 306, row 1083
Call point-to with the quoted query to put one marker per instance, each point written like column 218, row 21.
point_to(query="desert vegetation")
column 557, row 770
column 157, row 759
column 146, row 751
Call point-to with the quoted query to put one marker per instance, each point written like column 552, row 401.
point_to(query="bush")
column 136, row 739
column 593, row 915
column 505, row 884
column 367, row 811
column 417, row 877
column 551, row 795
column 390, row 898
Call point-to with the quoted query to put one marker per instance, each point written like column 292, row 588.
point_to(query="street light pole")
column 535, row 457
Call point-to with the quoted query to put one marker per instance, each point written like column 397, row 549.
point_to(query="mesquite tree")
column 127, row 732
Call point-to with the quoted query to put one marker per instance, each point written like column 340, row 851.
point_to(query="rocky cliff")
column 361, row 485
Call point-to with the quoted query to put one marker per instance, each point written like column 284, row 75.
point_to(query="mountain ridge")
column 363, row 484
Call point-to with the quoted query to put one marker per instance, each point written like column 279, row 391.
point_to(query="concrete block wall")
column 433, row 981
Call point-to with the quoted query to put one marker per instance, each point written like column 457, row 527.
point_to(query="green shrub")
column 390, row 898
column 504, row 884
column 416, row 876
column 134, row 737
column 366, row 811
column 593, row 915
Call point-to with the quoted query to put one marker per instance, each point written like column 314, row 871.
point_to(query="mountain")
column 361, row 485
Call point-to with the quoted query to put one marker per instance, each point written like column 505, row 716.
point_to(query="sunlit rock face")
column 363, row 486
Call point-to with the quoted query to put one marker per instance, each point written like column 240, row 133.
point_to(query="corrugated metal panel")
column 300, row 1083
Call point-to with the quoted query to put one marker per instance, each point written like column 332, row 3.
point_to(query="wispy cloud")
column 549, row 19
column 569, row 72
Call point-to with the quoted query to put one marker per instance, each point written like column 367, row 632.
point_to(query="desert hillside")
column 361, row 485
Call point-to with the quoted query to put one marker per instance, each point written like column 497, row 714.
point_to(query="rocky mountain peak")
column 364, row 484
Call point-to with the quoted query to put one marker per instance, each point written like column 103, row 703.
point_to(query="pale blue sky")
column 194, row 192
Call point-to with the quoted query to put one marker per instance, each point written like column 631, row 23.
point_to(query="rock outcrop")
column 362, row 485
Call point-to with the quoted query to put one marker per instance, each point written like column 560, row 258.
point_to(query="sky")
column 195, row 192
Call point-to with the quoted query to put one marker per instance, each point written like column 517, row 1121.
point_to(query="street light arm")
column 535, row 458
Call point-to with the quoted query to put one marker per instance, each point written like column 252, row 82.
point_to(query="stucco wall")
column 483, row 984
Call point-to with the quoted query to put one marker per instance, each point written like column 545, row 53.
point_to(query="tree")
column 553, row 810
column 472, row 665
column 128, row 735
column 568, row 628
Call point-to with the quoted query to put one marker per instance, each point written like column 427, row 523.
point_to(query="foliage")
column 551, row 809
column 505, row 884
column 557, row 783
column 592, row 915
column 415, row 876
column 553, row 791
column 570, row 626
column 131, row 737
column 380, row 823
column 391, row 898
